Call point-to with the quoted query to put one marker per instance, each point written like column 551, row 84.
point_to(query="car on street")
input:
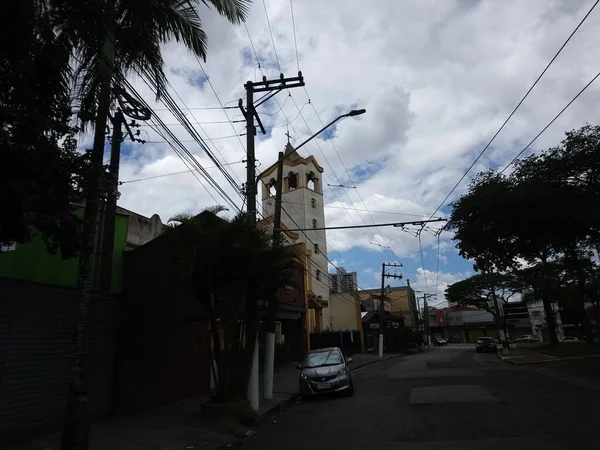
column 440, row 342
column 486, row 344
column 570, row 339
column 325, row 371
column 526, row 338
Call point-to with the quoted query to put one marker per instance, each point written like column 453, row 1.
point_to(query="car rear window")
column 484, row 340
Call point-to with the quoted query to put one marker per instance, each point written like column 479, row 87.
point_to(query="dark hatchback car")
column 325, row 371
column 486, row 344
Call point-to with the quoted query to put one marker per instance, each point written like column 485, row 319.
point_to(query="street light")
column 279, row 179
column 354, row 112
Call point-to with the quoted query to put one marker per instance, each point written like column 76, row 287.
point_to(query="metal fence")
column 36, row 329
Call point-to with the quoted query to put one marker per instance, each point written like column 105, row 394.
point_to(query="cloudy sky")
column 437, row 78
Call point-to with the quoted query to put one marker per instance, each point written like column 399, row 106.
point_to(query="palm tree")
column 112, row 38
column 219, row 259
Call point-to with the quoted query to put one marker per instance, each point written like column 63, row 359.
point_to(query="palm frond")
column 236, row 11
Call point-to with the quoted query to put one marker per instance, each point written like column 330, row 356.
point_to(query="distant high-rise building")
column 343, row 281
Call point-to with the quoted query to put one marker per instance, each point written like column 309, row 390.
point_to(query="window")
column 313, row 202
column 311, row 181
column 316, row 249
column 536, row 313
column 293, row 181
column 318, row 275
column 314, row 223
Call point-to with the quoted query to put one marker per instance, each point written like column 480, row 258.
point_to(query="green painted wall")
column 32, row 262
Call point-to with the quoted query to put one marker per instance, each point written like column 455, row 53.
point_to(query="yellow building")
column 402, row 300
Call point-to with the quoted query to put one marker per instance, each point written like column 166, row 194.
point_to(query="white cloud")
column 437, row 79
column 436, row 283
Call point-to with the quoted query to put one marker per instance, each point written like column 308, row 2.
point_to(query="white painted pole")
column 253, row 384
column 269, row 365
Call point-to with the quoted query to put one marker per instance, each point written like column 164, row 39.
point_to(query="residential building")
column 401, row 300
column 302, row 208
column 343, row 281
column 537, row 320
column 343, row 312
column 32, row 262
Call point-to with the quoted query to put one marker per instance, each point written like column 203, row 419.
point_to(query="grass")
column 572, row 349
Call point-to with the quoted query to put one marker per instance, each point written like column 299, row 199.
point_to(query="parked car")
column 526, row 338
column 325, row 371
column 570, row 339
column 486, row 344
column 439, row 342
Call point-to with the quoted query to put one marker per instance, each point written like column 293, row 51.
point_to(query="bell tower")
column 302, row 207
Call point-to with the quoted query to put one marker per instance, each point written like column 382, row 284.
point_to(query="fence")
column 348, row 341
column 36, row 329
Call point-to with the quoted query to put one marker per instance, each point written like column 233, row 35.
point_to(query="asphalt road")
column 449, row 399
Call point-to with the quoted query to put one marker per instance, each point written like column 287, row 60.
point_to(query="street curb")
column 257, row 418
column 568, row 358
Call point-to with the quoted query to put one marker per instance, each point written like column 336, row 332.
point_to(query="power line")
column 193, row 140
column 390, row 224
column 337, row 178
column 271, row 33
column 201, row 108
column 294, row 29
column 172, row 173
column 364, row 210
column 353, row 183
column 516, row 107
column 551, row 122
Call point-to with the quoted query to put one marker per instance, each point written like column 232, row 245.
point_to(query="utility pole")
column 381, row 308
column 128, row 106
column 272, row 87
column 417, row 326
column 110, row 209
column 426, row 317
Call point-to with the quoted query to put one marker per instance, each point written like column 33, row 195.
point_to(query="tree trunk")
column 77, row 424
column 547, row 302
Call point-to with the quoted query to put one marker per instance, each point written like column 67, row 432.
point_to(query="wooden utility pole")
column 272, row 87
column 381, row 307
column 110, row 210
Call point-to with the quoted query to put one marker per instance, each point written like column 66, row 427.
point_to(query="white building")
column 302, row 208
column 537, row 318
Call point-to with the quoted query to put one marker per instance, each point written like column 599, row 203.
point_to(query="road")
column 449, row 398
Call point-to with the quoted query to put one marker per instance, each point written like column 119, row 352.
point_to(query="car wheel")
column 350, row 392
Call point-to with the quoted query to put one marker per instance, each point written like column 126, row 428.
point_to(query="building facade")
column 302, row 208
column 401, row 299
column 343, row 281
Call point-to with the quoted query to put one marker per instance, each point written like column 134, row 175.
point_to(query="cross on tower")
column 288, row 135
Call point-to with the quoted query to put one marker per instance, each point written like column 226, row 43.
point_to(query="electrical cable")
column 516, row 107
column 271, row 33
column 550, row 123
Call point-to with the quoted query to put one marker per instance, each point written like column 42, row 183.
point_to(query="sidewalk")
column 180, row 426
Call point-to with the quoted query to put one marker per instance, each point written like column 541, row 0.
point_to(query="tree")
column 111, row 38
column 490, row 292
column 541, row 212
column 41, row 172
column 219, row 259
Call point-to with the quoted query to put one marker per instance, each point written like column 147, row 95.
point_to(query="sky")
column 437, row 78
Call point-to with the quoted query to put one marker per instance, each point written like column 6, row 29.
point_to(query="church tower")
column 302, row 207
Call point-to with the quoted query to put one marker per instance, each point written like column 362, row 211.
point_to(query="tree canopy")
column 542, row 212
